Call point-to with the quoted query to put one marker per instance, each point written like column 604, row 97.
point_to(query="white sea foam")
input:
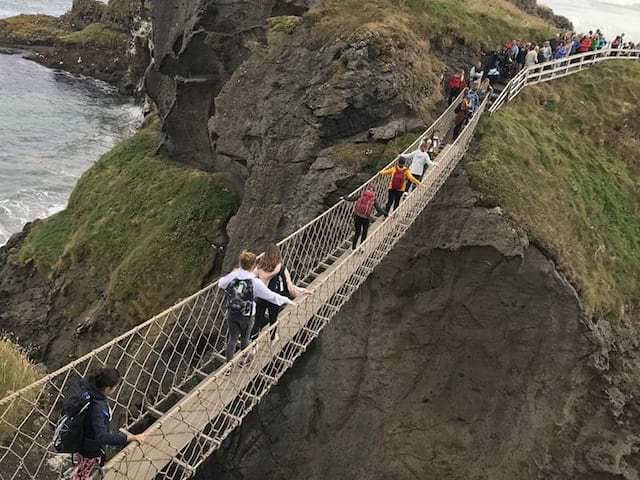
column 53, row 127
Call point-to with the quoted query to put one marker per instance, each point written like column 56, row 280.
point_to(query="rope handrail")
column 177, row 386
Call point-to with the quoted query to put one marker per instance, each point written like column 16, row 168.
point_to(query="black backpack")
column 69, row 433
column 239, row 297
column 278, row 284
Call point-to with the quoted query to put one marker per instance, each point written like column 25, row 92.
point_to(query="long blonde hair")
column 271, row 258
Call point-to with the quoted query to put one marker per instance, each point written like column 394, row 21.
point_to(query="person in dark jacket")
column 463, row 113
column 97, row 430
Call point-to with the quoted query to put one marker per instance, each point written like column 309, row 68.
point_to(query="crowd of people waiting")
column 506, row 62
column 509, row 60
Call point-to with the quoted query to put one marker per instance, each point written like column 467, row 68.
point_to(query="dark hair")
column 401, row 162
column 104, row 378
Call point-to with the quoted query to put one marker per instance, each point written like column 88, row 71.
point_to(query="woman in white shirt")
column 532, row 57
column 419, row 162
column 476, row 73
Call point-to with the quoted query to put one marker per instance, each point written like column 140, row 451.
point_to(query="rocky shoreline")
column 109, row 42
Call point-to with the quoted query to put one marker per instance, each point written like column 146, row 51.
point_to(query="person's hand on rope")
column 140, row 439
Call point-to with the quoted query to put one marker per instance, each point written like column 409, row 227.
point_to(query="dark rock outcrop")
column 266, row 99
column 83, row 13
column 198, row 45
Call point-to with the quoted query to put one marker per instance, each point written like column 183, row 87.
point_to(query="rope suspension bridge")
column 176, row 385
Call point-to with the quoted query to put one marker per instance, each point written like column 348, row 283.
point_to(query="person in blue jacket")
column 97, row 428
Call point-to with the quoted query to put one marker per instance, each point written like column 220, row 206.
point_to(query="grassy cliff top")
column 563, row 161
column 46, row 30
column 145, row 223
column 30, row 30
column 479, row 24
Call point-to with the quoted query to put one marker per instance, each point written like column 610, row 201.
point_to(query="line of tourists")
column 509, row 60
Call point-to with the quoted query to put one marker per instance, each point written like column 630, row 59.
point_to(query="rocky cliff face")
column 305, row 95
column 198, row 44
column 465, row 356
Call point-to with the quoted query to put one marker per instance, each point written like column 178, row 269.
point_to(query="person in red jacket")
column 585, row 44
column 365, row 204
column 456, row 85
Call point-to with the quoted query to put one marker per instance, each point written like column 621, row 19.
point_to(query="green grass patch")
column 562, row 160
column 372, row 157
column 16, row 372
column 97, row 35
column 284, row 24
column 30, row 30
column 478, row 23
column 146, row 223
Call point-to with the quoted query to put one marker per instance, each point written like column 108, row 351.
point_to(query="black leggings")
column 261, row 320
column 362, row 228
column 458, row 128
column 394, row 199
column 453, row 94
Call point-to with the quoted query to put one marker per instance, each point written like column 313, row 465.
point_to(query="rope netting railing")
column 164, row 358
column 186, row 435
column 177, row 387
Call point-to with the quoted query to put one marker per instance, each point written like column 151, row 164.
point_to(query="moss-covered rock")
column 122, row 14
column 97, row 35
column 371, row 157
column 83, row 13
column 30, row 30
column 145, row 224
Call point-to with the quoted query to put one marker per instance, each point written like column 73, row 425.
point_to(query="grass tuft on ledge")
column 97, row 35
column 16, row 372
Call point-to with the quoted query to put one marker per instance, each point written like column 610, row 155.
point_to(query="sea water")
column 53, row 127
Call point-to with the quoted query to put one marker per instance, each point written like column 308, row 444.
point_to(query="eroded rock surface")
column 198, row 44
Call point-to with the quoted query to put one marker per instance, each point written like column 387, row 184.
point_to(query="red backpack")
column 397, row 181
column 455, row 82
column 365, row 204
